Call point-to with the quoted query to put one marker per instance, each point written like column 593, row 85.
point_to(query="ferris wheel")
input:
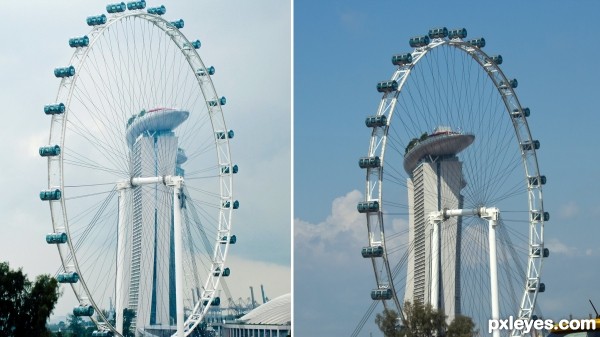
column 453, row 201
column 140, row 176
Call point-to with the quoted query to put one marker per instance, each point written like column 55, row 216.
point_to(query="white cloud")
column 343, row 220
column 569, row 210
column 557, row 247
column 560, row 248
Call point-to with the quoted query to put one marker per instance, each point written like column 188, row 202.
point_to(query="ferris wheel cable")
column 103, row 149
column 200, row 178
column 205, row 192
column 203, row 212
column 82, row 160
column 84, row 97
column 106, row 131
column 89, row 185
column 364, row 319
column 86, row 195
column 94, row 220
column 200, row 227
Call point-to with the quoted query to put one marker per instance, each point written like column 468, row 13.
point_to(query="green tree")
column 388, row 323
column 421, row 320
column 25, row 306
column 128, row 316
column 76, row 326
column 461, row 326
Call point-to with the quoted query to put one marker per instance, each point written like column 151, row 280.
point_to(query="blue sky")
column 343, row 48
column 250, row 49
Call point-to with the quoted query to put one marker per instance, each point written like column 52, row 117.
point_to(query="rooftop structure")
column 442, row 142
column 270, row 319
column 155, row 120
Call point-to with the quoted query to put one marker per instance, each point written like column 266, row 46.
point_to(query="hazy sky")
column 250, row 48
column 343, row 48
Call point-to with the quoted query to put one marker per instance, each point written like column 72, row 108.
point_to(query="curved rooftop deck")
column 448, row 143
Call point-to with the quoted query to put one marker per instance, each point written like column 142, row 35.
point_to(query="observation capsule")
column 367, row 206
column 54, row 109
column 178, row 24
column 516, row 113
column 375, row 121
column 438, row 33
column 209, row 71
column 194, row 44
column 226, row 272
column 79, row 41
column 381, row 294
column 220, row 101
column 64, row 72
column 369, row 162
column 533, row 285
column 528, row 145
column 83, row 310
column 103, row 333
column 71, row 277
column 538, row 216
column 459, row 33
column 227, row 169
column 56, row 238
column 387, row 86
column 116, row 8
column 49, row 151
column 157, row 10
column 497, row 59
column 540, row 252
column 96, row 20
column 513, row 83
column 402, row 59
column 215, row 302
column 54, row 194
column 419, row 41
column 224, row 135
column 537, row 181
column 232, row 239
column 133, row 5
column 479, row 42
column 372, row 251
column 227, row 204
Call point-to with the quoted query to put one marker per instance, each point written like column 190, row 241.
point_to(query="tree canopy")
column 421, row 320
column 25, row 306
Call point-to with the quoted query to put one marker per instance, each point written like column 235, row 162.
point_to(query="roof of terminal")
column 276, row 311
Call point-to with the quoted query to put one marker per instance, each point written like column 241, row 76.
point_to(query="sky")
column 342, row 48
column 251, row 49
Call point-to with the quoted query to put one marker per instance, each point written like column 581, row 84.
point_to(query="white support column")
column 435, row 219
column 176, row 182
column 491, row 215
column 120, row 291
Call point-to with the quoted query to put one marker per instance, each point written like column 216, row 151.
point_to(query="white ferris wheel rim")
column 375, row 176
column 55, row 167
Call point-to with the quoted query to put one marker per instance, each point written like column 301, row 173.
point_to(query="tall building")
column 154, row 152
column 435, row 182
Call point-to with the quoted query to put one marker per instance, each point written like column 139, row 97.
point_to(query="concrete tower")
column 154, row 152
column 435, row 183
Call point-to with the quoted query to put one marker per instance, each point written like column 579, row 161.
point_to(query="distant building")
column 272, row 319
column 435, row 183
column 154, row 152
